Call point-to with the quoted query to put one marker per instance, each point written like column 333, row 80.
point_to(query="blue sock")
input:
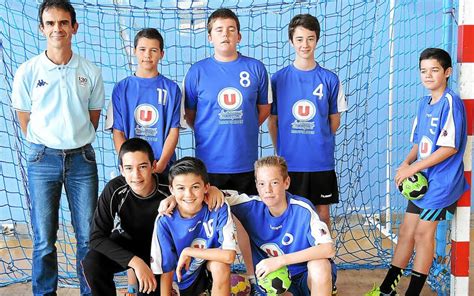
column 132, row 289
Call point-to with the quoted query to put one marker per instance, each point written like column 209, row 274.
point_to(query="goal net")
column 371, row 45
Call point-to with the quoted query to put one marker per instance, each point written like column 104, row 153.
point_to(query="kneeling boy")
column 123, row 223
column 285, row 230
column 193, row 237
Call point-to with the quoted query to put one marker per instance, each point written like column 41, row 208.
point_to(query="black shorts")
column 202, row 283
column 432, row 214
column 319, row 187
column 242, row 182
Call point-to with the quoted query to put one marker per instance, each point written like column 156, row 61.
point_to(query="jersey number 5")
column 434, row 125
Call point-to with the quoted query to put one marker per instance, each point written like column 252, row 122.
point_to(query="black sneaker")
column 254, row 290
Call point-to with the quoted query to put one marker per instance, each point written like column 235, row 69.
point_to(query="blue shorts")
column 299, row 285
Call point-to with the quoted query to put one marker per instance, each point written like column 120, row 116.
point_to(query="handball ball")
column 277, row 282
column 414, row 187
column 239, row 285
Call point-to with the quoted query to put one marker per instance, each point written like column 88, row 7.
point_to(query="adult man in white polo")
column 58, row 97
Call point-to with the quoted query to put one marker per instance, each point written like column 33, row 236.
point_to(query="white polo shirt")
column 59, row 98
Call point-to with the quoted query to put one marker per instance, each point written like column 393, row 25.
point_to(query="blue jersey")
column 146, row 108
column 442, row 124
column 298, row 228
column 225, row 96
column 206, row 230
column 303, row 101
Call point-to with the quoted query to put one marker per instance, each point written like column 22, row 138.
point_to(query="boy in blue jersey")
column 285, row 230
column 439, row 139
column 307, row 101
column 226, row 100
column 147, row 104
column 194, row 246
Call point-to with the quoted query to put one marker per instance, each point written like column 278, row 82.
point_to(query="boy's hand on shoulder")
column 167, row 206
column 403, row 172
column 146, row 279
column 214, row 198
column 268, row 265
column 183, row 261
column 159, row 167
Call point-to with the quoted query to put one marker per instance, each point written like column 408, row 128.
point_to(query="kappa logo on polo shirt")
column 82, row 81
column 41, row 83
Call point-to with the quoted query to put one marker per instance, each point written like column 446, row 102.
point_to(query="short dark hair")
column 149, row 33
column 59, row 4
column 188, row 165
column 224, row 13
column 441, row 55
column 306, row 21
column 134, row 145
column 272, row 161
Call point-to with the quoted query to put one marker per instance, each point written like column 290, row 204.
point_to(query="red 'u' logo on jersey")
column 145, row 115
column 230, row 101
column 303, row 112
column 424, row 147
column 273, row 253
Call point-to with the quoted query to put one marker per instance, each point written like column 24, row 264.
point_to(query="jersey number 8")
column 244, row 79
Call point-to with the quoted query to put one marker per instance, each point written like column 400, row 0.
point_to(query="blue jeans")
column 48, row 170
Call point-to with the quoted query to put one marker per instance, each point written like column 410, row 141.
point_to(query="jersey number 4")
column 318, row 91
